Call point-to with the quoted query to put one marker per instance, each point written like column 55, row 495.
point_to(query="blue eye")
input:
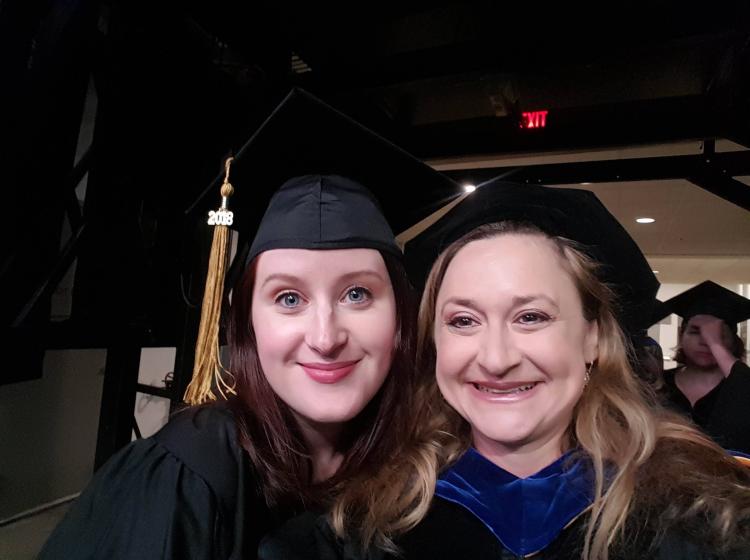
column 288, row 300
column 358, row 295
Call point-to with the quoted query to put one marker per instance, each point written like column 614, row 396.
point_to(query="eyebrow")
column 349, row 276
column 517, row 301
column 522, row 300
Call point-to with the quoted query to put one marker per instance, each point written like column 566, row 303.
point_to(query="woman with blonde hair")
column 552, row 448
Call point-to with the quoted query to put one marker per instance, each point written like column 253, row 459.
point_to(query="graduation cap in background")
column 708, row 298
column 332, row 184
column 572, row 213
column 659, row 312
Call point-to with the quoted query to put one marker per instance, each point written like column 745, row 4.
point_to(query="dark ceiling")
column 181, row 84
column 452, row 78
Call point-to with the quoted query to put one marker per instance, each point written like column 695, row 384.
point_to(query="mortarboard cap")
column 322, row 172
column 658, row 312
column 708, row 298
column 304, row 139
column 323, row 212
column 572, row 213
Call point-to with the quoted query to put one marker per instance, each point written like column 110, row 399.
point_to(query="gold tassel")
column 207, row 368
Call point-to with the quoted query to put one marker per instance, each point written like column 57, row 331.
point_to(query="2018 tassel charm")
column 208, row 371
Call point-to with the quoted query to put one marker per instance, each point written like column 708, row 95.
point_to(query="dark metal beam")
column 118, row 400
column 162, row 392
column 49, row 283
column 725, row 187
column 727, row 164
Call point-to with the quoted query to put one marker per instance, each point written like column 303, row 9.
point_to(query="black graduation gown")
column 186, row 493
column 449, row 532
column 723, row 412
column 483, row 512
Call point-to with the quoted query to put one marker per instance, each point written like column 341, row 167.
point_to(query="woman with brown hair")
column 711, row 384
column 321, row 341
column 553, row 448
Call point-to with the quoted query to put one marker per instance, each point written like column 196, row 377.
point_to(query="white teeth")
column 520, row 389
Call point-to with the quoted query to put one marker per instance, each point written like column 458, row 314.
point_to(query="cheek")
column 453, row 355
column 376, row 332
column 274, row 336
column 560, row 356
column 450, row 363
column 689, row 343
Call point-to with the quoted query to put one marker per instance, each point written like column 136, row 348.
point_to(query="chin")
column 505, row 434
column 334, row 414
column 702, row 363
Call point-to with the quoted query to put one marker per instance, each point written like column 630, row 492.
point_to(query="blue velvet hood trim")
column 525, row 514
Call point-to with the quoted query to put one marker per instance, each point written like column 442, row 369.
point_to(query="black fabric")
column 186, row 493
column 723, row 412
column 305, row 137
column 449, row 532
column 571, row 213
column 323, row 212
column 708, row 298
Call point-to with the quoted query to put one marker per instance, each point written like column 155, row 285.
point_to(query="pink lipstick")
column 330, row 372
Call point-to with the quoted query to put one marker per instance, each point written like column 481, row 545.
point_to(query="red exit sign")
column 534, row 119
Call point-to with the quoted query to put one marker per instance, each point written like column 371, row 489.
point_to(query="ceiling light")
column 469, row 188
column 655, row 271
column 645, row 220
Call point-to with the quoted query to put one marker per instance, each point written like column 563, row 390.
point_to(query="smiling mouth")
column 329, row 373
column 510, row 391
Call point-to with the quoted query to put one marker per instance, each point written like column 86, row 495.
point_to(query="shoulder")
column 669, row 375
column 677, row 544
column 204, row 439
column 740, row 370
column 210, row 426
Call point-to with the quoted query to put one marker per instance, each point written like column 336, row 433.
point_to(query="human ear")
column 591, row 341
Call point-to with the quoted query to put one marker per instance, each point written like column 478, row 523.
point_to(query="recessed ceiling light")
column 655, row 271
column 469, row 188
column 645, row 220
column 585, row 183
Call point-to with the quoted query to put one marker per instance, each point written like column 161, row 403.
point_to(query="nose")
column 498, row 352
column 326, row 334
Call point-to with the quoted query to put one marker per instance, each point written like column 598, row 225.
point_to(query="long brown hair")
column 268, row 430
column 661, row 471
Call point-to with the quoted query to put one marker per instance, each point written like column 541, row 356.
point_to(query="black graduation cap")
column 323, row 212
column 304, row 137
column 572, row 213
column 659, row 312
column 323, row 168
column 708, row 298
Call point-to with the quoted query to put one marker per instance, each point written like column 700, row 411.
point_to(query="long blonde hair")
column 658, row 466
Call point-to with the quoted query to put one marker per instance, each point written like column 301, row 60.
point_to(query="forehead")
column 700, row 319
column 512, row 261
column 499, row 253
column 319, row 262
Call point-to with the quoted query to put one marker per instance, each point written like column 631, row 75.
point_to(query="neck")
column 701, row 376
column 322, row 441
column 696, row 383
column 524, row 459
